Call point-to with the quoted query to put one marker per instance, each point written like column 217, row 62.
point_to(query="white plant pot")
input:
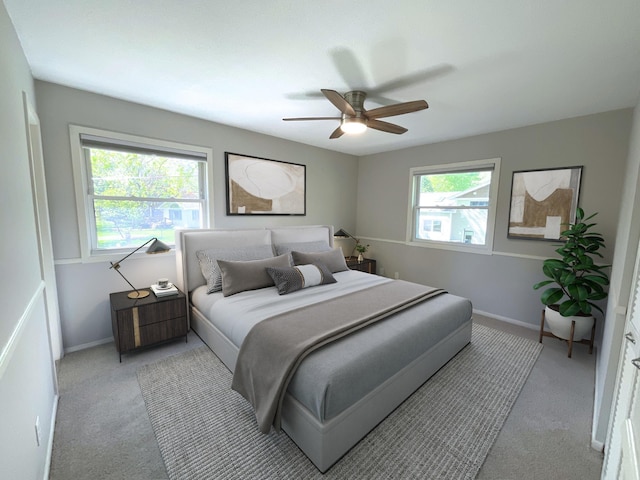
column 561, row 326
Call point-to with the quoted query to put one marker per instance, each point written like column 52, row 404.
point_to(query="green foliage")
column 129, row 187
column 449, row 182
column 362, row 248
column 578, row 280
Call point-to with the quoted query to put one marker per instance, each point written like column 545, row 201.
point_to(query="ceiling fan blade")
column 297, row 119
column 411, row 79
column 397, row 109
column 386, row 127
column 349, row 68
column 337, row 133
column 339, row 102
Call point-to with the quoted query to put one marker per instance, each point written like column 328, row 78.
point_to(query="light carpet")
column 443, row 431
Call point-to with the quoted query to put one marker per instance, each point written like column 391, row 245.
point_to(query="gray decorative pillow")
column 241, row 276
column 209, row 261
column 292, row 279
column 333, row 259
column 307, row 247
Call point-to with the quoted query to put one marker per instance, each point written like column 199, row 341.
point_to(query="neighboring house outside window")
column 130, row 189
column 453, row 206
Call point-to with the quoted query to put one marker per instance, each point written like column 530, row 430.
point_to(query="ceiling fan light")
column 353, row 126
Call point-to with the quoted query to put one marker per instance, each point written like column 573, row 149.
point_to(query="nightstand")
column 367, row 265
column 143, row 322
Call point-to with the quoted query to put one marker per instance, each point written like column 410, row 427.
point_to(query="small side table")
column 544, row 333
column 367, row 265
column 142, row 322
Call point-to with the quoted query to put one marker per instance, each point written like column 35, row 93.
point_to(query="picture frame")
column 260, row 186
column 543, row 202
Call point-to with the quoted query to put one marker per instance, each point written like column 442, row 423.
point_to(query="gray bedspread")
column 273, row 349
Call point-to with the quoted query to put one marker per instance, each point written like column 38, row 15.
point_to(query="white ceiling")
column 481, row 65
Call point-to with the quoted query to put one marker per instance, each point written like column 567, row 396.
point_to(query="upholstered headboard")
column 188, row 242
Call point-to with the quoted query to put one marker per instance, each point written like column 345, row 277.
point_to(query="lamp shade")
column 158, row 247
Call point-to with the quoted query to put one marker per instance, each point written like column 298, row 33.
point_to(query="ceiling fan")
column 355, row 119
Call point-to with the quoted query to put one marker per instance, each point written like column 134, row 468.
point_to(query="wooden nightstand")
column 367, row 265
column 142, row 322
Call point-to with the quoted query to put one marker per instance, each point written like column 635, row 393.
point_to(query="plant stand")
column 544, row 333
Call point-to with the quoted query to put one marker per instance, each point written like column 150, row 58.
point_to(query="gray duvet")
column 275, row 347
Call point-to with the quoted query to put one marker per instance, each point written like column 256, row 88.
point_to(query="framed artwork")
column 259, row 186
column 543, row 202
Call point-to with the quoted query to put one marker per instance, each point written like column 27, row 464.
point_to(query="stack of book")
column 170, row 289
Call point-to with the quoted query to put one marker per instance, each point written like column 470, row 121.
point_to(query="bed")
column 341, row 391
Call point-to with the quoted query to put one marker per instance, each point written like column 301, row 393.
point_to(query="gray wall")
column 84, row 287
column 498, row 284
column 27, row 386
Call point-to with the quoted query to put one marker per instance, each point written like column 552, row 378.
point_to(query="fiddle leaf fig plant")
column 578, row 280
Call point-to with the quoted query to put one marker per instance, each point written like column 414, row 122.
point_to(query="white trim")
column 81, row 187
column 596, row 445
column 111, row 257
column 52, row 428
column 84, row 346
column 507, row 320
column 16, row 335
column 453, row 247
column 42, row 221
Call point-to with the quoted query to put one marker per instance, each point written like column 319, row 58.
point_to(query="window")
column 130, row 189
column 430, row 225
column 453, row 206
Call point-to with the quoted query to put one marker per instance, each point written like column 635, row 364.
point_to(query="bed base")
column 325, row 443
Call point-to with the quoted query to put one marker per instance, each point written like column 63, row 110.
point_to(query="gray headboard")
column 188, row 242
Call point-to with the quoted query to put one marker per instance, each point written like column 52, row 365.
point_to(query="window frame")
column 84, row 208
column 413, row 204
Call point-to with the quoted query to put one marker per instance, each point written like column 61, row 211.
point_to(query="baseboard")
column 88, row 345
column 513, row 321
column 596, row 445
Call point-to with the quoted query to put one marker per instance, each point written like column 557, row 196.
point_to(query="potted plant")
column 579, row 282
column 361, row 250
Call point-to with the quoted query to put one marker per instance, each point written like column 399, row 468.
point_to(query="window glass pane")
column 452, row 225
column 455, row 188
column 121, row 174
column 124, row 223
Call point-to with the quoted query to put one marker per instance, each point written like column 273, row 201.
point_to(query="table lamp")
column 156, row 247
column 344, row 234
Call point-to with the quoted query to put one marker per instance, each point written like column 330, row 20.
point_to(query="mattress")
column 335, row 377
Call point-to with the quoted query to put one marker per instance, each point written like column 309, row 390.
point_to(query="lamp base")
column 138, row 294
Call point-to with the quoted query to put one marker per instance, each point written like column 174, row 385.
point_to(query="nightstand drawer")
column 135, row 336
column 158, row 312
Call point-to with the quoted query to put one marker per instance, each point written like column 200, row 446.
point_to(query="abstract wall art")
column 258, row 186
column 543, row 202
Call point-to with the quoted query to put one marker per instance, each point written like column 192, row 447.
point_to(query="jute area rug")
column 443, row 431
